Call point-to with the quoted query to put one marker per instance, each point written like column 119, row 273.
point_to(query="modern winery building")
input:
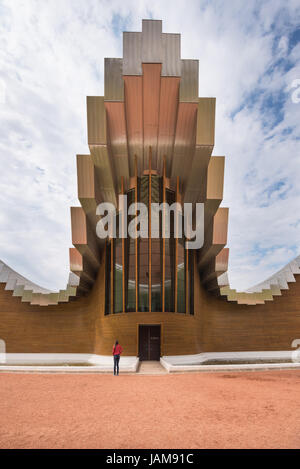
column 150, row 138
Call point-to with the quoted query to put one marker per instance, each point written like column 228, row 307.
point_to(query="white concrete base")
column 91, row 363
column 184, row 363
column 62, row 363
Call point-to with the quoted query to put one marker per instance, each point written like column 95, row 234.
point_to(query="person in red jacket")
column 117, row 350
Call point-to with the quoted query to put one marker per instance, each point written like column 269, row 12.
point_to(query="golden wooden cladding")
column 86, row 183
column 80, row 267
column 116, row 124
column 215, row 178
column 55, row 329
column 83, row 236
column 113, row 79
column 184, row 142
column 152, row 115
column 189, row 81
column 213, row 188
column 217, row 266
column 81, row 327
column 98, row 139
column 78, row 226
column 215, row 237
column 169, row 92
column 151, row 103
column 205, row 134
column 76, row 261
column 105, row 174
column 220, row 226
column 89, row 193
column 97, row 133
column 195, row 187
column 134, row 118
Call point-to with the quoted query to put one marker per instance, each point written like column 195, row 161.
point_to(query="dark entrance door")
column 149, row 342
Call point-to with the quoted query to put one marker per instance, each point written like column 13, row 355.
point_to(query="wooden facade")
column 149, row 122
column 218, row 325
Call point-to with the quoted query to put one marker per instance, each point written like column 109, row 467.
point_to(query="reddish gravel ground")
column 197, row 410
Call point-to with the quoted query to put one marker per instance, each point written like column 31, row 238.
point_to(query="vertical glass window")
column 130, row 280
column 178, row 263
column 191, row 280
column 107, row 278
column 143, row 248
column 180, row 272
column 118, row 273
column 170, row 259
column 156, row 250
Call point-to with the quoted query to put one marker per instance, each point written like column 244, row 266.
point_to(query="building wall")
column 227, row 326
column 81, row 327
column 63, row 328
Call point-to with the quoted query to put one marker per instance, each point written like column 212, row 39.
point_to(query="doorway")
column 149, row 342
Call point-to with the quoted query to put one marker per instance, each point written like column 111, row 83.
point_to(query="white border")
column 37, row 362
column 183, row 363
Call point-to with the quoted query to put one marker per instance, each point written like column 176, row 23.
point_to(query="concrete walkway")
column 151, row 368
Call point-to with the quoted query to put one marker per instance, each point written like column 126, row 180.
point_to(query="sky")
column 52, row 57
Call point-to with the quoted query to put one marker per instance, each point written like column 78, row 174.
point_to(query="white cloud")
column 51, row 57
